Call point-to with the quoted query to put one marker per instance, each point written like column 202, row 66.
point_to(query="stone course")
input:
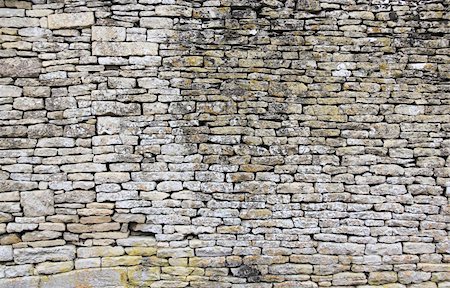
column 224, row 143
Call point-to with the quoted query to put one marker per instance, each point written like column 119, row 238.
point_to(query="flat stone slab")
column 20, row 67
column 124, row 48
column 71, row 20
column 109, row 277
column 102, row 277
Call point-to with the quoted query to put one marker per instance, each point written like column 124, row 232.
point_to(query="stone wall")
column 224, row 143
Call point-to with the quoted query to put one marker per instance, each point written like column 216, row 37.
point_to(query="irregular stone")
column 143, row 276
column 348, row 278
column 37, row 203
column 54, row 267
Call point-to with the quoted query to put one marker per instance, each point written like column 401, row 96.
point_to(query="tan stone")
column 71, row 20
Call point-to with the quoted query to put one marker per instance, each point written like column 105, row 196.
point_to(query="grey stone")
column 37, row 255
column 124, row 49
column 37, row 203
column 20, row 67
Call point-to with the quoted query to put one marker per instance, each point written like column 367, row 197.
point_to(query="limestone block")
column 37, row 203
column 124, row 49
column 38, row 255
column 108, row 33
column 70, row 20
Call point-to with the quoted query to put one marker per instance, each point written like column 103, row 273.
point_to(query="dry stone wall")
column 224, row 143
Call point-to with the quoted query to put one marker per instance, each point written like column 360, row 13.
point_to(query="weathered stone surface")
column 6, row 253
column 9, row 185
column 379, row 278
column 105, row 277
column 115, row 108
column 418, row 248
column 108, row 33
column 348, row 278
column 231, row 144
column 37, row 203
column 124, row 48
column 10, row 91
column 71, row 20
column 60, row 103
column 83, row 167
column 90, row 252
column 54, row 267
column 340, row 248
column 19, row 22
column 29, row 282
column 20, row 67
column 37, row 255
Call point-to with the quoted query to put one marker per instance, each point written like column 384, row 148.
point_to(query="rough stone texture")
column 224, row 143
column 70, row 20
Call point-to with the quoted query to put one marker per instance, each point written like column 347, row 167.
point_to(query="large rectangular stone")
column 105, row 277
column 19, row 67
column 156, row 22
column 38, row 255
column 37, row 203
column 83, row 167
column 19, row 22
column 115, row 108
column 340, row 248
column 124, row 48
column 11, row 185
column 71, row 20
column 10, row 12
column 10, row 91
column 107, row 33
column 384, row 249
column 28, row 282
column 99, row 251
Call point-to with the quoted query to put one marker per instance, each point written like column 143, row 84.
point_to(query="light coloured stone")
column 38, row 255
column 37, row 203
column 105, row 277
column 91, row 252
column 71, row 20
column 6, row 253
column 54, row 267
column 348, row 278
column 124, row 48
column 26, row 103
column 108, row 33
column 385, row 277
